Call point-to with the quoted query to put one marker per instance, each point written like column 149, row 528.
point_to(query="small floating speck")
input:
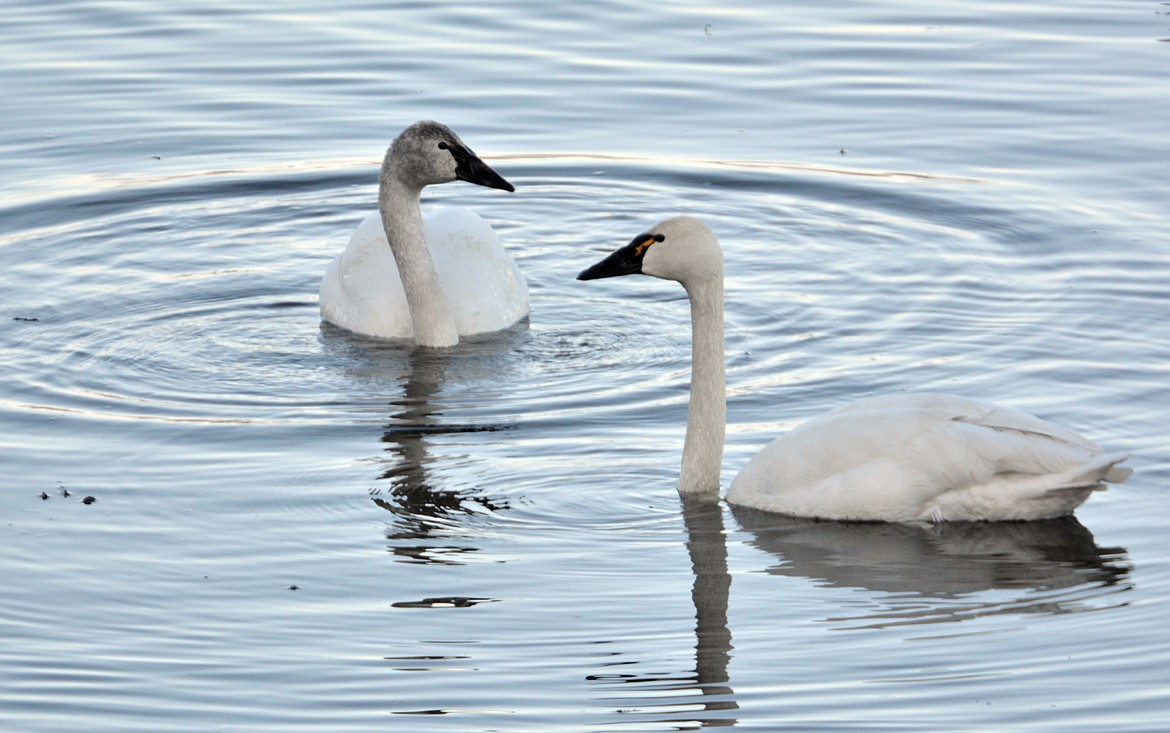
column 88, row 500
column 25, row 319
column 64, row 491
column 44, row 496
column 294, row 587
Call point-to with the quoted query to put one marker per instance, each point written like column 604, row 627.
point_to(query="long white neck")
column 434, row 325
column 707, row 412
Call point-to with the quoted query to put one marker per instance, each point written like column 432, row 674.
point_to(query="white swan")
column 456, row 279
column 902, row 458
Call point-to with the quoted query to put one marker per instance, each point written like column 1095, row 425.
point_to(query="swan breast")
column 362, row 289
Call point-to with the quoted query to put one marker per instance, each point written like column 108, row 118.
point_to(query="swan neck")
column 398, row 203
column 707, row 411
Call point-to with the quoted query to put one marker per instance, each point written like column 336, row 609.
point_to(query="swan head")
column 681, row 248
column 429, row 152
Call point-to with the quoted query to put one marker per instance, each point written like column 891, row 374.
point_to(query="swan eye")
column 443, row 145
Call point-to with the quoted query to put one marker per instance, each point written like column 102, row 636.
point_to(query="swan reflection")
column 430, row 514
column 912, row 574
column 944, row 572
column 701, row 696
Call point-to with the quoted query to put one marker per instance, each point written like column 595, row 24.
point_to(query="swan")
column 902, row 458
column 431, row 277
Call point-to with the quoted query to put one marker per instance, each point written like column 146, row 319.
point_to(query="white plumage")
column 898, row 458
column 362, row 290
column 428, row 278
column 916, row 457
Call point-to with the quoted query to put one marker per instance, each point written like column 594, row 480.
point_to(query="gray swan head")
column 429, row 152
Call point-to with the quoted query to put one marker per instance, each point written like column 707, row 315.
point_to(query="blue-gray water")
column 965, row 196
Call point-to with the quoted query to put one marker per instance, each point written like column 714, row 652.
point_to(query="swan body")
column 362, row 289
column 897, row 458
column 925, row 457
column 432, row 277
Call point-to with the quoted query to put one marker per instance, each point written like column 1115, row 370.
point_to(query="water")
column 297, row 529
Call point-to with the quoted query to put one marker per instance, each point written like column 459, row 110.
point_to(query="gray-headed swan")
column 429, row 277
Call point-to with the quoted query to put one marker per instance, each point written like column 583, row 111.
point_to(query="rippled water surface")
column 220, row 514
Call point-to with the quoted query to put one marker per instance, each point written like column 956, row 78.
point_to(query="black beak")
column 468, row 167
column 625, row 261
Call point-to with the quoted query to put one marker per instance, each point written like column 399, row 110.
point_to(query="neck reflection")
column 701, row 696
column 426, row 512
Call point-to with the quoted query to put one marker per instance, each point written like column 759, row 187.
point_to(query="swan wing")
column 925, row 457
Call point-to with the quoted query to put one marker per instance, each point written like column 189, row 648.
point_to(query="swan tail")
column 1118, row 474
column 1022, row 496
column 1095, row 473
